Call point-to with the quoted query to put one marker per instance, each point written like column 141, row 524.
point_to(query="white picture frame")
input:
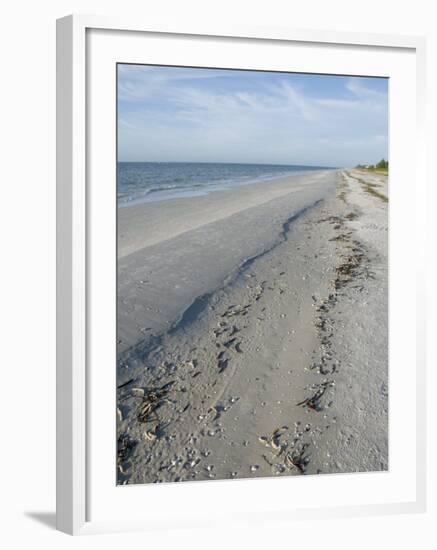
column 75, row 214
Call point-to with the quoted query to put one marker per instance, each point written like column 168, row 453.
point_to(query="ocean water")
column 152, row 181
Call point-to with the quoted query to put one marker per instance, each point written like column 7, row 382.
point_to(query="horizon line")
column 224, row 162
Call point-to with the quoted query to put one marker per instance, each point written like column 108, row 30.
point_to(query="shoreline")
column 141, row 225
column 279, row 373
column 175, row 251
column 198, row 190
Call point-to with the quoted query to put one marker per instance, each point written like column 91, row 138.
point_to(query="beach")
column 253, row 330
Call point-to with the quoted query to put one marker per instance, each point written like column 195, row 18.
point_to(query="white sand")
column 150, row 223
column 295, row 340
column 185, row 248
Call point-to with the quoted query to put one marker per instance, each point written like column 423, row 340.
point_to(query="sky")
column 179, row 114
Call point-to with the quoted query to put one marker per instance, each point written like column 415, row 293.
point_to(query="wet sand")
column 253, row 331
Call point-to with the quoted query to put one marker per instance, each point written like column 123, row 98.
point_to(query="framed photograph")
column 240, row 265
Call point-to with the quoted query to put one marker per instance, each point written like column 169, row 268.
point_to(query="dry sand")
column 253, row 331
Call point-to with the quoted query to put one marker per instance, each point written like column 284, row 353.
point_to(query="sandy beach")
column 252, row 331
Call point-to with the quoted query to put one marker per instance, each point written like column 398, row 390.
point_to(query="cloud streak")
column 242, row 116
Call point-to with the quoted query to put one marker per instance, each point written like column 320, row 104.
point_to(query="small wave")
column 186, row 187
column 151, row 181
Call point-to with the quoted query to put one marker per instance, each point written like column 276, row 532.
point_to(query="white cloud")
column 356, row 86
column 172, row 118
column 141, row 81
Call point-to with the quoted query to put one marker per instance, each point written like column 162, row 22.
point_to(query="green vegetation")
column 380, row 167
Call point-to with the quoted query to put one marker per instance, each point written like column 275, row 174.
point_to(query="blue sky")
column 179, row 114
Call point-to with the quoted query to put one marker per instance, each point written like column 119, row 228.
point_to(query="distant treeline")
column 381, row 165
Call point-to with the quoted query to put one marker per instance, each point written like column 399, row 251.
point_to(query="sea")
column 153, row 181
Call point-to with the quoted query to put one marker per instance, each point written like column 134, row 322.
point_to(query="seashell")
column 279, row 431
column 275, row 445
column 278, row 469
column 192, row 463
column 150, row 435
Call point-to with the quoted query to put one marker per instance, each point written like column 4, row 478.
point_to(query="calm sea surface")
column 147, row 181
